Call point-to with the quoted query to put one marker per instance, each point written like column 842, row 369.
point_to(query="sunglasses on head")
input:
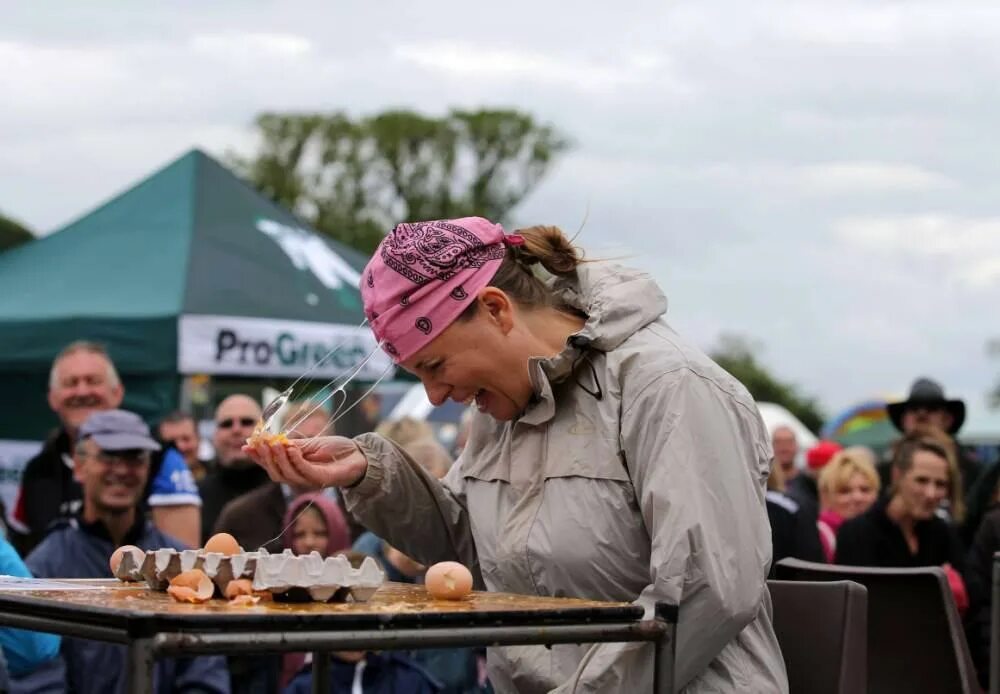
column 230, row 422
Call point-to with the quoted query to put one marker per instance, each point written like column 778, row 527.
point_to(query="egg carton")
column 286, row 576
column 222, row 568
column 292, row 577
column 130, row 566
column 158, row 567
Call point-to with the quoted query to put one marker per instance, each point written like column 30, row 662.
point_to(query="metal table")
column 399, row 616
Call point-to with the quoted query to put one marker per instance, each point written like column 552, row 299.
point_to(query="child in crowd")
column 319, row 526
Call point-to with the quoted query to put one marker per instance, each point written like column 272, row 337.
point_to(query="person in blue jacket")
column 23, row 650
column 369, row 673
column 111, row 463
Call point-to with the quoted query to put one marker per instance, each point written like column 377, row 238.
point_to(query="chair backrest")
column 823, row 633
column 915, row 637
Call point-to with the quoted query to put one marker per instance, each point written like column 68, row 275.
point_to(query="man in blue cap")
column 111, row 462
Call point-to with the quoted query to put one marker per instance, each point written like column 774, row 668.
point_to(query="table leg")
column 321, row 672
column 141, row 666
column 665, row 650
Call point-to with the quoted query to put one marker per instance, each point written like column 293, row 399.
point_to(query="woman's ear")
column 497, row 308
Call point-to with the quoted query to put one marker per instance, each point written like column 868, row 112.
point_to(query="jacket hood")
column 338, row 535
column 618, row 302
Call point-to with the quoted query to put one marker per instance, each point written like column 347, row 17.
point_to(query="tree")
column 739, row 357
column 12, row 234
column 355, row 178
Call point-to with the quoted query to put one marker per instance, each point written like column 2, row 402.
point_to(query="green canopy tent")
column 191, row 271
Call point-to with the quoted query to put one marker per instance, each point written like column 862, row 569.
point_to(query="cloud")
column 836, row 179
column 850, row 25
column 967, row 248
column 251, row 44
column 885, row 24
column 863, row 177
column 489, row 63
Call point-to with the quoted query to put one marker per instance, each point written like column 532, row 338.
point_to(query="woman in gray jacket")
column 609, row 459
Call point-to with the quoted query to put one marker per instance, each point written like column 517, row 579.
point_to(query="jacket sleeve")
column 174, row 484
column 978, row 579
column 32, row 506
column 699, row 468
column 24, row 650
column 206, row 674
column 399, row 501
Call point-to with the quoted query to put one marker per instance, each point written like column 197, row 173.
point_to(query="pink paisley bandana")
column 424, row 275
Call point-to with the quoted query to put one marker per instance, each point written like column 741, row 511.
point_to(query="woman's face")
column 923, row 487
column 310, row 534
column 853, row 498
column 475, row 360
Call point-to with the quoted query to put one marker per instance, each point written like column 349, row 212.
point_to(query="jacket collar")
column 98, row 530
column 617, row 303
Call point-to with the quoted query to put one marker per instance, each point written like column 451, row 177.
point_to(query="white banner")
column 13, row 457
column 238, row 346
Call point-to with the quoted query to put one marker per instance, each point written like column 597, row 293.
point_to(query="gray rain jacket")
column 639, row 475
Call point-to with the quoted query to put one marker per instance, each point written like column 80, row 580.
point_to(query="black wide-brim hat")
column 927, row 393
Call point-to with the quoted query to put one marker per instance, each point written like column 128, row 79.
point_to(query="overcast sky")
column 821, row 178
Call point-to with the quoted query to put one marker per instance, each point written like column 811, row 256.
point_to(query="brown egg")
column 116, row 558
column 224, row 543
column 236, row 587
column 448, row 580
column 191, row 586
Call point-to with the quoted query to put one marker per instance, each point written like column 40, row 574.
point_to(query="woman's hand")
column 323, row 461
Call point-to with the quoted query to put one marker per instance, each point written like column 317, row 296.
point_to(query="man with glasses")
column 111, row 462
column 232, row 473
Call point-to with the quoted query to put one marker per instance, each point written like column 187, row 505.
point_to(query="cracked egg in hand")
column 262, row 435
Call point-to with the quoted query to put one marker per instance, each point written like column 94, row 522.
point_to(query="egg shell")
column 448, row 580
column 240, row 586
column 191, row 586
column 244, row 601
column 116, row 557
column 223, row 543
column 183, row 594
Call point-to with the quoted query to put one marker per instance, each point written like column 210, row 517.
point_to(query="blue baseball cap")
column 118, row 430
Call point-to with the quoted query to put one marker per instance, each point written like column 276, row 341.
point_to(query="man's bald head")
column 235, row 418
column 786, row 447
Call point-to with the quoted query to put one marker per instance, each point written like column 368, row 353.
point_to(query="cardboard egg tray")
column 288, row 577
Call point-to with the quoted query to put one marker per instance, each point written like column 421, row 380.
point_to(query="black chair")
column 915, row 637
column 823, row 633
